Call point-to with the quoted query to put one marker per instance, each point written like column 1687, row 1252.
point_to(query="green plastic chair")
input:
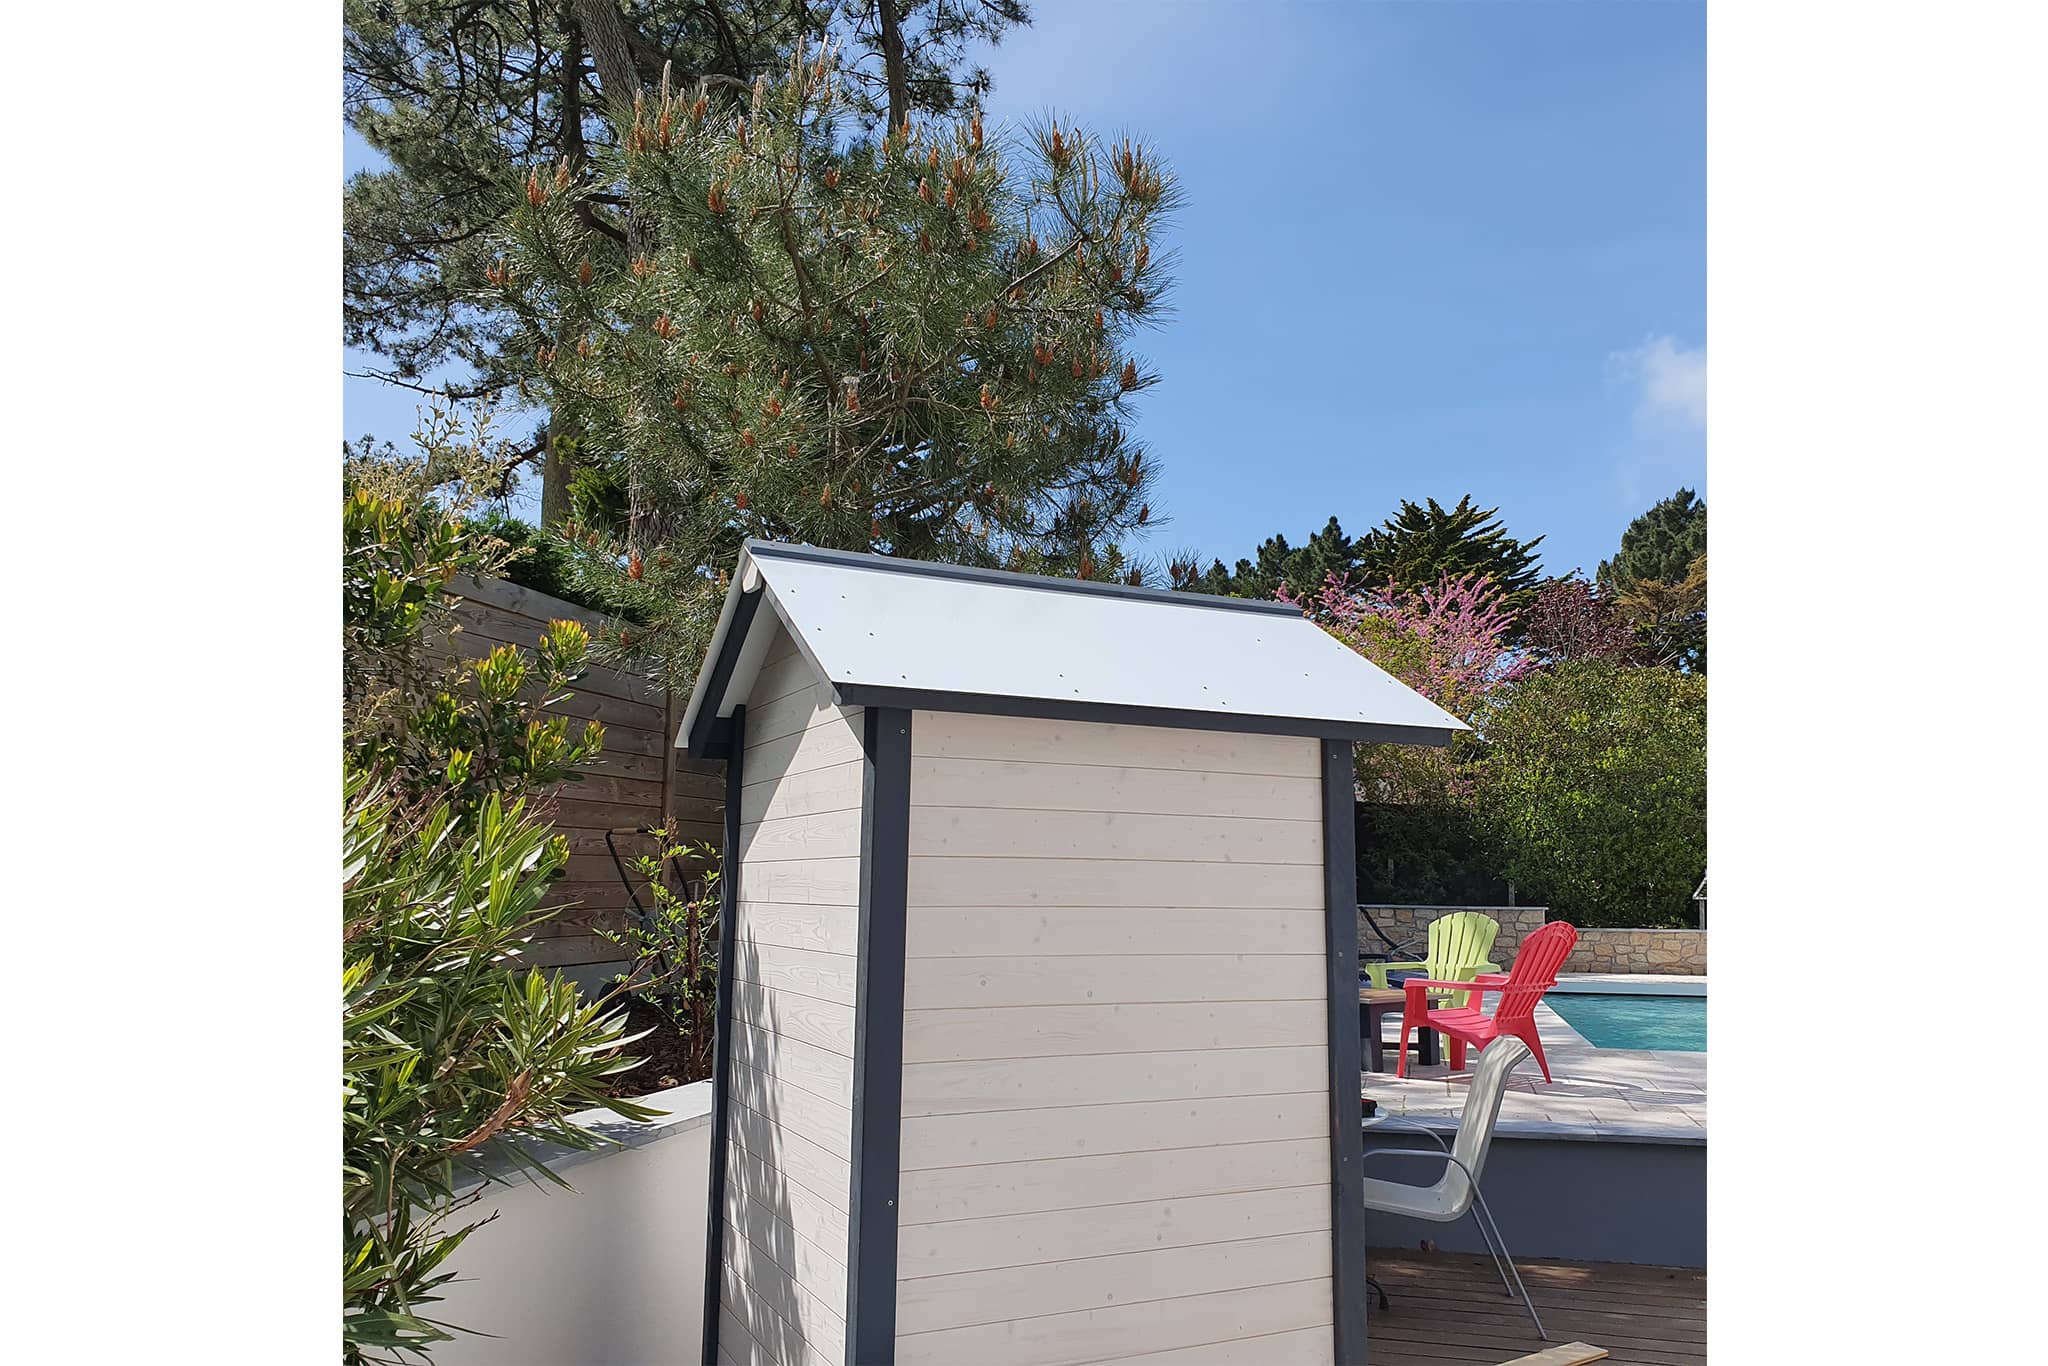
column 1458, row 947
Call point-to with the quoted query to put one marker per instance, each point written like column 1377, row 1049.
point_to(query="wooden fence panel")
column 640, row 780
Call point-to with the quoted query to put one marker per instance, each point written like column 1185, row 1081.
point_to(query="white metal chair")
column 1456, row 1192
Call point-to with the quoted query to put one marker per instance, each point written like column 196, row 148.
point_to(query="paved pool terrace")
column 1611, row 1094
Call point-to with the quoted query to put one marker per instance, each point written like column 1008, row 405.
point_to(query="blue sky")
column 1429, row 249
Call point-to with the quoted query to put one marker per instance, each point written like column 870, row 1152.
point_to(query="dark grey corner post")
column 878, row 1039
column 1347, row 1145
column 721, row 1047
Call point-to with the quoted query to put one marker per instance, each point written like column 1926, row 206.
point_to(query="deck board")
column 1448, row 1308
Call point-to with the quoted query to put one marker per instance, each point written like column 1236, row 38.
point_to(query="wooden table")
column 1373, row 1005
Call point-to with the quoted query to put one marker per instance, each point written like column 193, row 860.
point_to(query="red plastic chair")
column 1534, row 972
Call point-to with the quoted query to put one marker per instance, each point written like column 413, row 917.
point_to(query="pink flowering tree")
column 1448, row 642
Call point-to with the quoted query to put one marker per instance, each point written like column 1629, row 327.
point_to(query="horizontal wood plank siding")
column 1115, row 1137
column 1123, row 1331
column 932, row 1303
column 795, row 945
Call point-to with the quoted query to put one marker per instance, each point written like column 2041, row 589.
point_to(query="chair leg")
column 1457, row 1053
column 1479, row 1205
column 1486, row 1236
column 1401, row 1058
column 1536, row 1047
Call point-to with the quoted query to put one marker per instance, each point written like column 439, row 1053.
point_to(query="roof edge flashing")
column 1003, row 578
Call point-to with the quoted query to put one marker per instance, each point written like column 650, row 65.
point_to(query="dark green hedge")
column 1425, row 856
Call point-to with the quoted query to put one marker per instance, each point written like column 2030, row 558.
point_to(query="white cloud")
column 1670, row 380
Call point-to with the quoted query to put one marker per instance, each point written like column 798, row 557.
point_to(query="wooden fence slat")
column 640, row 780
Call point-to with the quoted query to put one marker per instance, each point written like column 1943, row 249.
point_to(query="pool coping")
column 1629, row 984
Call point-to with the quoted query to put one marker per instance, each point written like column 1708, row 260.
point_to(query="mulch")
column 665, row 1055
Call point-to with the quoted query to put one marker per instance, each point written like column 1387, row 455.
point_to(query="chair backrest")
column 1535, row 970
column 1459, row 943
column 1482, row 1109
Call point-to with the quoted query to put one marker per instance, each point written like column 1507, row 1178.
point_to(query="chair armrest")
column 1408, row 1124
column 1445, row 1156
column 1491, row 967
column 1490, row 979
column 1415, row 984
column 1404, row 967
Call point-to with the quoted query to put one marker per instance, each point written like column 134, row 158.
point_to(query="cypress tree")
column 1301, row 569
column 1420, row 543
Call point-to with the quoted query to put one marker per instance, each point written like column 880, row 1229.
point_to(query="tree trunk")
column 554, row 482
column 892, row 63
column 605, row 30
column 554, row 469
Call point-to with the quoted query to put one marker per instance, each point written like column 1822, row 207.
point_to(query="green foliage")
column 672, row 949
column 1660, row 545
column 448, row 1059
column 1660, row 578
column 405, row 534
column 451, row 1052
column 1414, row 549
column 538, row 560
column 1671, row 618
column 918, row 346
column 1435, row 854
column 460, row 97
column 1595, row 786
column 412, row 715
column 457, row 97
column 395, row 567
column 1301, row 570
column 1419, row 545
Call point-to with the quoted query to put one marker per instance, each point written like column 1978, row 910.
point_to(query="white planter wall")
column 612, row 1275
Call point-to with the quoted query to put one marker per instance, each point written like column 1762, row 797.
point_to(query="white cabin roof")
column 905, row 633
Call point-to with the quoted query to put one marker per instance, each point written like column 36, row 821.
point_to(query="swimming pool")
column 1676, row 1024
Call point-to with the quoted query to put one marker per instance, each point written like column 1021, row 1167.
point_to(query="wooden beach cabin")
column 1038, row 1034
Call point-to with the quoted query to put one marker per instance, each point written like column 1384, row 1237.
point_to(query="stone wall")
column 1679, row 952
column 1405, row 923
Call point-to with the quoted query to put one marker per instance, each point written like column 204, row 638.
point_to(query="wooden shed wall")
column 1115, row 1119
column 639, row 777
column 790, row 1104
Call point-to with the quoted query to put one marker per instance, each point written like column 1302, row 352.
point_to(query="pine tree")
column 917, row 345
column 1660, row 545
column 461, row 96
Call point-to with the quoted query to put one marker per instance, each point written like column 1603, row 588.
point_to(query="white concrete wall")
column 1116, row 1102
column 609, row 1275
column 797, row 939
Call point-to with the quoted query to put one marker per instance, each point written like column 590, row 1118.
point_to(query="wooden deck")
column 1448, row 1307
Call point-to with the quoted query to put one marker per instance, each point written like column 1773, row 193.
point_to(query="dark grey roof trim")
column 1052, row 709
column 777, row 550
column 710, row 737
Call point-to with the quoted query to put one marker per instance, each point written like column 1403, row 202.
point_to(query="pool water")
column 1671, row 1023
